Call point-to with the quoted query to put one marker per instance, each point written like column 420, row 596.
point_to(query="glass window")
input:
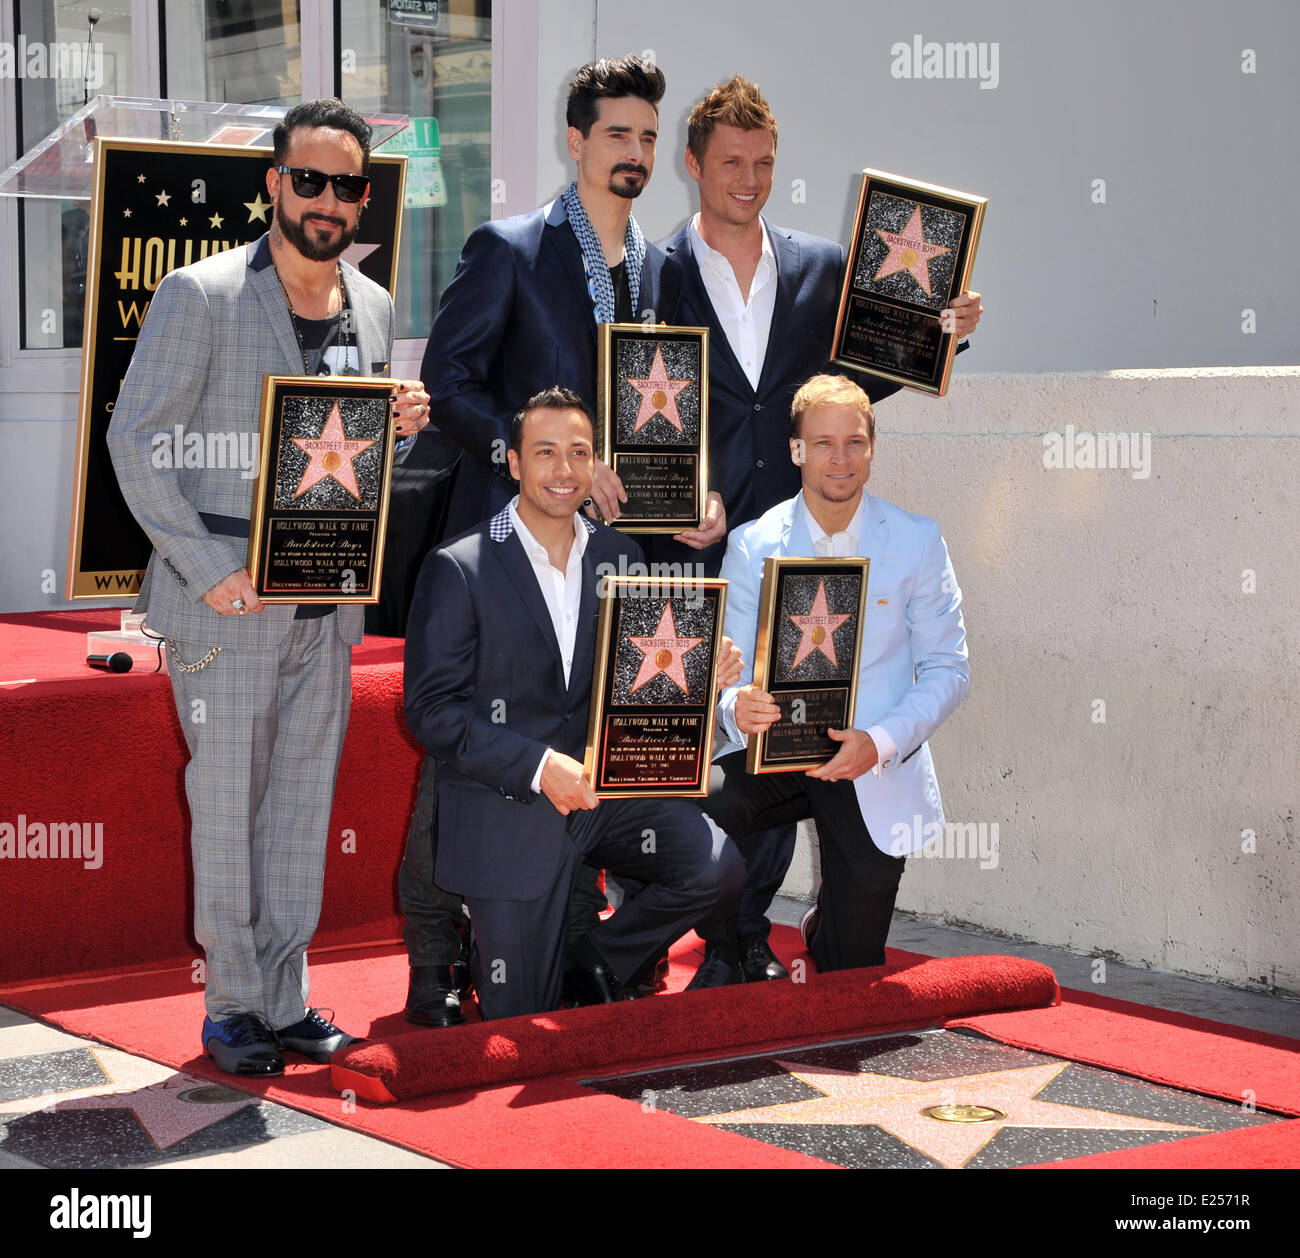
column 65, row 63
column 431, row 59
column 243, row 52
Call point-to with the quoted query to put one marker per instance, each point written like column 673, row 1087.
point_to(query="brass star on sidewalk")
column 896, row 1105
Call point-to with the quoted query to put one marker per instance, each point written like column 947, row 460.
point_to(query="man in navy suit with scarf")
column 499, row 661
column 769, row 295
column 519, row 316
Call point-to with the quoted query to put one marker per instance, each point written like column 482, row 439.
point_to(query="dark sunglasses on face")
column 308, row 183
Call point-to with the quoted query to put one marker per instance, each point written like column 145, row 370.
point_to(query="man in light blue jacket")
column 877, row 799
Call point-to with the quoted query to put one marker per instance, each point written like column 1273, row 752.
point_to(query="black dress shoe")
column 243, row 1044
column 462, row 977
column 314, row 1037
column 718, row 969
column 432, row 999
column 647, row 982
column 591, row 985
column 758, row 961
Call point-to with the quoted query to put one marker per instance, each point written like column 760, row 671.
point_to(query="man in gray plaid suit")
column 263, row 692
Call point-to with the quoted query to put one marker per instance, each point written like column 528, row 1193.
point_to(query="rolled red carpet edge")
column 848, row 1002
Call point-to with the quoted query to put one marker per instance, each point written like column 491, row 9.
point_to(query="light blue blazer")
column 914, row 665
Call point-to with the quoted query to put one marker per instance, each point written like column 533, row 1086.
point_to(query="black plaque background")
column 109, row 550
column 286, row 462
column 659, row 696
column 925, row 360
column 678, row 457
column 826, row 693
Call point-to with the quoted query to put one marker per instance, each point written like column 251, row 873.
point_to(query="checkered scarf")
column 599, row 284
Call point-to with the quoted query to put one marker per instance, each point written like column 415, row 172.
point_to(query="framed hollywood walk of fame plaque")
column 653, row 694
column 806, row 657
column 912, row 252
column 320, row 509
column 654, row 422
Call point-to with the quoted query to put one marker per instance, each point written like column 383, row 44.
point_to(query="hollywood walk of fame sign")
column 810, row 622
column 157, row 205
column 653, row 387
column 320, row 508
column 912, row 252
column 650, row 732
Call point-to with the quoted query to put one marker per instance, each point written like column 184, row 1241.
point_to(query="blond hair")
column 735, row 103
column 828, row 390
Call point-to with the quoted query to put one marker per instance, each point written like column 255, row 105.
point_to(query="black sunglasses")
column 308, row 183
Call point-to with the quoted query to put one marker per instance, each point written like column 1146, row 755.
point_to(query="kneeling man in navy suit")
column 499, row 657
column 878, row 796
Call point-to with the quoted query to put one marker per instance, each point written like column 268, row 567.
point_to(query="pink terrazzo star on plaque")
column 909, row 251
column 896, row 1105
column 658, row 395
column 663, row 653
column 818, row 629
column 331, row 454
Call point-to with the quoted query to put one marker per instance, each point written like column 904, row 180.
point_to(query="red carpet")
column 721, row 1022
column 92, row 748
column 554, row 1121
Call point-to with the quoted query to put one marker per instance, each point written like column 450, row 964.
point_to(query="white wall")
column 1120, row 839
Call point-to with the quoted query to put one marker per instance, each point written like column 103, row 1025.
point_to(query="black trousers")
column 434, row 919
column 684, row 869
column 859, row 881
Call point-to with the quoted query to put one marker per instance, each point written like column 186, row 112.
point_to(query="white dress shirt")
column 562, row 592
column 843, row 545
column 746, row 318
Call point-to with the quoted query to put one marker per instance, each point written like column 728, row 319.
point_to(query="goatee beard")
column 296, row 234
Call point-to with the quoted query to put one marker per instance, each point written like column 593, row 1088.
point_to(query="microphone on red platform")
column 118, row 662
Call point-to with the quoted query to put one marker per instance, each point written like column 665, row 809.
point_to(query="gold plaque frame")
column 616, row 453
column 610, row 719
column 273, row 452
column 924, row 364
column 760, row 757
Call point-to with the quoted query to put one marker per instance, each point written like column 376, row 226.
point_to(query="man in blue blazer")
column 769, row 295
column 521, row 311
column 499, row 663
column 519, row 316
column 877, row 799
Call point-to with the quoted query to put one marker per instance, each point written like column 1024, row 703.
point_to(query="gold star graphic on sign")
column 164, row 198
column 185, row 222
column 898, row 1106
column 216, row 220
column 257, row 208
column 126, row 213
column 139, row 179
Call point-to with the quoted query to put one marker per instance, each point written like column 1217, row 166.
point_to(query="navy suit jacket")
column 486, row 695
column 749, row 429
column 516, row 318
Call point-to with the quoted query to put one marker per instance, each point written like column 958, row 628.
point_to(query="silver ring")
column 237, row 604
